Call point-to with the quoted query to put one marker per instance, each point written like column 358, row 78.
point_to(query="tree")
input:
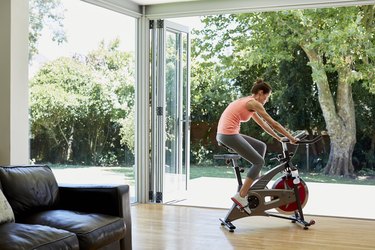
column 43, row 13
column 117, row 73
column 57, row 96
column 79, row 104
column 365, row 116
column 335, row 40
column 294, row 100
column 211, row 92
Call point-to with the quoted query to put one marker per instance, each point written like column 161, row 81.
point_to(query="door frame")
column 158, row 34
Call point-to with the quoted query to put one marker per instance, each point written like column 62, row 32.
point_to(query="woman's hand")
column 293, row 140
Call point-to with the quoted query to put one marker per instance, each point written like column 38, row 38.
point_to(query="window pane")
column 82, row 82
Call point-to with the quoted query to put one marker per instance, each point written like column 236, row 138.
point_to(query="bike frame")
column 259, row 192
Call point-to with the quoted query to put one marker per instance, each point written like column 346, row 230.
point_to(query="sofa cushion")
column 6, row 212
column 23, row 236
column 29, row 188
column 93, row 230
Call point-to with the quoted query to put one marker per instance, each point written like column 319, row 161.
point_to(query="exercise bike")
column 288, row 195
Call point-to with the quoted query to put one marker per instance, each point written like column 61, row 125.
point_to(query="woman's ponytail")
column 260, row 84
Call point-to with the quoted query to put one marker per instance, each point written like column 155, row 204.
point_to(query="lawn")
column 227, row 172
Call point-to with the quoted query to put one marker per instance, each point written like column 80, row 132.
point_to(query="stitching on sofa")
column 61, row 239
column 96, row 229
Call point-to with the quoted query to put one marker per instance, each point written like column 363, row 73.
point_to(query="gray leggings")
column 248, row 148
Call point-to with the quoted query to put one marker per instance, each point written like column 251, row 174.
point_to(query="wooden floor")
column 168, row 227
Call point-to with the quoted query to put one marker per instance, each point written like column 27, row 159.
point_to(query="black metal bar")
column 282, row 217
column 237, row 173
column 298, row 200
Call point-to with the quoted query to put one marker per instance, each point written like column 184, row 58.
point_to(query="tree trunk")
column 340, row 157
column 339, row 116
column 69, row 155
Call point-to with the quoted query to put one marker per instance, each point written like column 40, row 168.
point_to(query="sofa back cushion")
column 29, row 188
column 6, row 212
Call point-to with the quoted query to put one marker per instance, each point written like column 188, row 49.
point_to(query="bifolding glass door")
column 170, row 96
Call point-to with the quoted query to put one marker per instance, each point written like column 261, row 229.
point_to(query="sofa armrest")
column 105, row 199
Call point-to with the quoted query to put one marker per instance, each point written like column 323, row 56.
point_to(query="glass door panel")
column 177, row 120
column 171, row 115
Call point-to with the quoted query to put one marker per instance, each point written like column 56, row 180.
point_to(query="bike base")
column 228, row 225
column 294, row 219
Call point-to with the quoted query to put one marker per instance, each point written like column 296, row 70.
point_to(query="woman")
column 253, row 150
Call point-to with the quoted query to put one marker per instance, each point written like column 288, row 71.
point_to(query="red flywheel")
column 287, row 183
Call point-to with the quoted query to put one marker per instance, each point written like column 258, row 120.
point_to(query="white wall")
column 14, row 124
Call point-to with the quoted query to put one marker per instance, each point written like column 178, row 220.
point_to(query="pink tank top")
column 233, row 115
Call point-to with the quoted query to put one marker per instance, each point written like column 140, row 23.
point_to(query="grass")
column 126, row 171
column 211, row 171
column 321, row 178
column 227, row 172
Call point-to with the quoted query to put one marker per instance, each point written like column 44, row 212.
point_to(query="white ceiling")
column 150, row 2
column 182, row 8
column 213, row 2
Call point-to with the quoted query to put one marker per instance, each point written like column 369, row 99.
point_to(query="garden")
column 320, row 63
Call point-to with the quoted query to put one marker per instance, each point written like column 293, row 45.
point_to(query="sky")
column 86, row 25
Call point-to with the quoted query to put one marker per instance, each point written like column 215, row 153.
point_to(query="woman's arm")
column 262, row 113
column 265, row 127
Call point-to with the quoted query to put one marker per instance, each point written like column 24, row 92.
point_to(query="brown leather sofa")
column 49, row 216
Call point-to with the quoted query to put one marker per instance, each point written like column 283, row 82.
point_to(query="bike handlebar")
column 300, row 135
column 312, row 141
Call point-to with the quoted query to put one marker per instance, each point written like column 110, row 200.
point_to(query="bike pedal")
column 240, row 208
